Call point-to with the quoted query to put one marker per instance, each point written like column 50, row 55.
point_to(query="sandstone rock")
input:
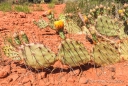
column 5, row 71
column 22, row 15
column 83, row 80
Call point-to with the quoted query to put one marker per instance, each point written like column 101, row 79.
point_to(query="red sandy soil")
column 16, row 74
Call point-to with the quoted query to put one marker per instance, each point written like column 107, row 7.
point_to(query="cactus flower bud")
column 125, row 5
column 108, row 8
column 97, row 7
column 101, row 6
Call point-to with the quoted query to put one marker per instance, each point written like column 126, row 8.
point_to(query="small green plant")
column 5, row 6
column 22, row 8
column 71, row 7
column 39, row 7
column 51, row 5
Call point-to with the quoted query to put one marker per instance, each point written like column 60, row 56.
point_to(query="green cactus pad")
column 24, row 38
column 73, row 53
column 109, row 27
column 11, row 52
column 104, row 53
column 41, row 23
column 70, row 25
column 37, row 56
column 124, row 49
column 16, row 38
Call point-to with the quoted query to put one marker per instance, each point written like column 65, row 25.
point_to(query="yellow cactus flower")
column 59, row 25
column 85, row 19
column 49, row 12
column 120, row 11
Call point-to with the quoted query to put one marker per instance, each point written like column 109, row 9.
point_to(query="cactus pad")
column 124, row 49
column 70, row 25
column 104, row 53
column 109, row 27
column 11, row 52
column 37, row 55
column 73, row 53
column 41, row 23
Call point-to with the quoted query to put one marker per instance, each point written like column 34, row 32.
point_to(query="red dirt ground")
column 14, row 74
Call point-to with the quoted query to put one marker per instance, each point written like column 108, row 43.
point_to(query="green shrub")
column 5, row 6
column 22, row 8
column 51, row 5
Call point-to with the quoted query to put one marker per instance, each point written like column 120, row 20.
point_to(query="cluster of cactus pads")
column 34, row 55
column 71, row 53
column 108, row 22
column 74, row 53
column 38, row 56
column 68, row 23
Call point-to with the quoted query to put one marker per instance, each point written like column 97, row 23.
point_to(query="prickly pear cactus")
column 12, row 43
column 16, row 38
column 36, row 55
column 24, row 38
column 108, row 22
column 11, row 52
column 41, row 23
column 123, row 12
column 105, row 53
column 123, row 48
column 125, row 7
column 70, row 25
column 109, row 27
column 73, row 53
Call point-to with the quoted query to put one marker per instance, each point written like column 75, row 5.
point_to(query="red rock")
column 70, row 84
column 22, row 15
column 41, row 83
column 14, row 77
column 21, row 71
column 27, row 84
column 5, row 71
column 43, row 75
column 52, row 80
column 71, row 79
column 63, row 79
column 47, row 83
column 83, row 80
column 26, row 79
